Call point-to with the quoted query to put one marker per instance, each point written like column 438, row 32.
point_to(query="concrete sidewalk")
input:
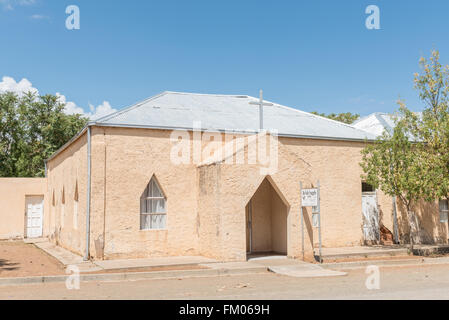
column 66, row 257
column 120, row 270
column 195, row 266
column 189, row 266
column 152, row 262
column 294, row 268
column 428, row 250
column 280, row 265
column 363, row 252
column 413, row 262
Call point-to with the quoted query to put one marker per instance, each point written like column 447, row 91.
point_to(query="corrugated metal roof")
column 176, row 110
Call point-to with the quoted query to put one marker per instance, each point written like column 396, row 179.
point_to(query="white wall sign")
column 309, row 197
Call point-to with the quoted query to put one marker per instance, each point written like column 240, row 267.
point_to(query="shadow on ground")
column 5, row 265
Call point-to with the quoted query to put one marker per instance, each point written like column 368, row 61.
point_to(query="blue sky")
column 312, row 55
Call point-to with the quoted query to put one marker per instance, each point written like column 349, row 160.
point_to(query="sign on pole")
column 309, row 197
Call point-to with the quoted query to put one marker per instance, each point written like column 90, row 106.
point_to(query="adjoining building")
column 376, row 123
column 22, row 203
column 428, row 214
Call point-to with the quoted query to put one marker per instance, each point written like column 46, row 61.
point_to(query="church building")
column 218, row 176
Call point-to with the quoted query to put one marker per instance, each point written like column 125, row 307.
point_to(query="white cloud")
column 70, row 107
column 95, row 112
column 11, row 4
column 100, row 111
column 8, row 84
column 26, row 2
column 21, row 87
column 39, row 17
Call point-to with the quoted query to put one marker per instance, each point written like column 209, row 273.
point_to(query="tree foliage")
column 346, row 117
column 32, row 128
column 392, row 165
column 431, row 129
column 412, row 163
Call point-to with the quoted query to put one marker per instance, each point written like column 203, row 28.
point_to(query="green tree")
column 432, row 128
column 32, row 129
column 413, row 162
column 11, row 131
column 346, row 117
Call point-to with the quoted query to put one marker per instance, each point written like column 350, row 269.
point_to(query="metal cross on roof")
column 261, row 104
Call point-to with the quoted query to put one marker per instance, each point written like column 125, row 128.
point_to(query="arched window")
column 152, row 207
column 75, row 207
column 63, row 207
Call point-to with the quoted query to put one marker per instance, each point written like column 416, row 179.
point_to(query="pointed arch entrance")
column 266, row 221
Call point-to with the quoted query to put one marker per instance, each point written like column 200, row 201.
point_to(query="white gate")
column 34, row 216
column 371, row 229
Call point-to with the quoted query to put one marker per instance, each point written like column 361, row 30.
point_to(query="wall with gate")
column 13, row 192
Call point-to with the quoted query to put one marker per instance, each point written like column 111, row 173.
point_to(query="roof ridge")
column 374, row 114
column 316, row 116
column 383, row 122
column 208, row 94
column 131, row 107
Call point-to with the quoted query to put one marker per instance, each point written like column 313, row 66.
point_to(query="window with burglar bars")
column 153, row 214
column 444, row 211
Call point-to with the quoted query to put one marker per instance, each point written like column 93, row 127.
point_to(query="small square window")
column 366, row 187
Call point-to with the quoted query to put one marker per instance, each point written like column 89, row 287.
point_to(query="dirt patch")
column 18, row 259
column 152, row 269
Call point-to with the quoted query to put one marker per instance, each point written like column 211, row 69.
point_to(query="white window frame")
column 145, row 199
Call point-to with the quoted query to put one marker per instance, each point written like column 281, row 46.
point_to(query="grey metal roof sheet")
column 175, row 110
column 376, row 123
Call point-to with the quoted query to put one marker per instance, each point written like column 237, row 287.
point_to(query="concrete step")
column 330, row 255
column 385, row 262
column 428, row 250
column 35, row 240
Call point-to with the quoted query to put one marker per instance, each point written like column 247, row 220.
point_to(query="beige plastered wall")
column 206, row 203
column 67, row 183
column 333, row 163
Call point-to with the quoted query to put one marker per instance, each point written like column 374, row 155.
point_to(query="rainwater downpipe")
column 89, row 159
